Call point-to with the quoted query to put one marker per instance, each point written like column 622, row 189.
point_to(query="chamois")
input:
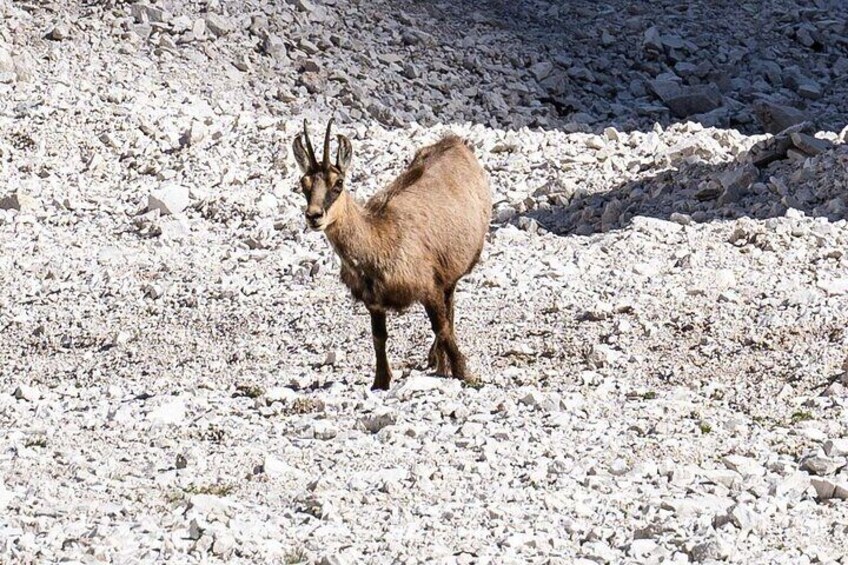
column 411, row 242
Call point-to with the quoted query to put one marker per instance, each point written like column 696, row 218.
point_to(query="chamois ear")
column 301, row 155
column 345, row 153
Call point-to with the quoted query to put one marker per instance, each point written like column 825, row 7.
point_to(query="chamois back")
column 450, row 147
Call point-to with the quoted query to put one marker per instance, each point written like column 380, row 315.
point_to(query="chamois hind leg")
column 440, row 322
column 380, row 335
column 437, row 358
column 449, row 305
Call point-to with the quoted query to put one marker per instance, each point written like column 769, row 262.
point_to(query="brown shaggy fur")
column 412, row 242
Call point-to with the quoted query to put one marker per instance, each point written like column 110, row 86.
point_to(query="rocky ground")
column 658, row 319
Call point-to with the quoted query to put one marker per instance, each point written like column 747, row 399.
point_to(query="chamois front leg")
column 380, row 335
column 440, row 322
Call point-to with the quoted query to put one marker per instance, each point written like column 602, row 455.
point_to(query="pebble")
column 793, row 486
column 20, row 201
column 59, row 32
column 224, row 544
column 210, row 506
column 379, row 420
column 836, row 447
column 28, row 393
column 274, row 467
column 169, row 412
column 712, row 550
column 324, row 430
column 642, row 548
column 146, row 13
column 820, row 465
column 745, row 466
column 6, row 497
column 603, row 355
column 743, row 517
column 415, row 385
column 267, row 204
column 7, row 63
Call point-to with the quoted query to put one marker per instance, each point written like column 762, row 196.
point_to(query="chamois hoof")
column 381, row 383
column 437, row 362
column 433, row 356
column 431, row 361
column 443, row 366
column 441, row 371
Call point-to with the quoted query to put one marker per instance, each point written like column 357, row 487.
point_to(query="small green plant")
column 650, row 395
column 250, row 391
column 705, row 428
column 221, row 489
column 295, row 557
column 36, row 441
column 475, row 384
column 175, row 497
column 801, row 416
column 304, row 405
column 213, row 433
column 717, row 395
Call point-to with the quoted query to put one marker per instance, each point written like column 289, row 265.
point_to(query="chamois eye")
column 338, row 186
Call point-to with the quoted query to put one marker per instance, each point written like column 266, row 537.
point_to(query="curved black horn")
column 327, row 145
column 309, row 150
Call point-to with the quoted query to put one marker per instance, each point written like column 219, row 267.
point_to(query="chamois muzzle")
column 314, row 217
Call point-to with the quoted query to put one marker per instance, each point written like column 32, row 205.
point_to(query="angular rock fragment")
column 737, row 181
column 652, row 41
column 745, row 466
column 26, row 392
column 169, row 200
column 379, row 420
column 218, row 25
column 809, row 144
column 822, row 466
column 7, row 64
column 143, row 12
column 836, row 447
column 665, row 89
column 775, row 118
column 274, row 46
column 775, row 148
column 827, row 488
column 20, row 201
column 809, row 89
column 694, row 100
column 541, row 70
column 59, row 32
column 170, row 412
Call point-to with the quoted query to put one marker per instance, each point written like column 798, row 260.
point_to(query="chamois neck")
column 352, row 232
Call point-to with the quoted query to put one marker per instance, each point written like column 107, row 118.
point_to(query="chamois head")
column 323, row 182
